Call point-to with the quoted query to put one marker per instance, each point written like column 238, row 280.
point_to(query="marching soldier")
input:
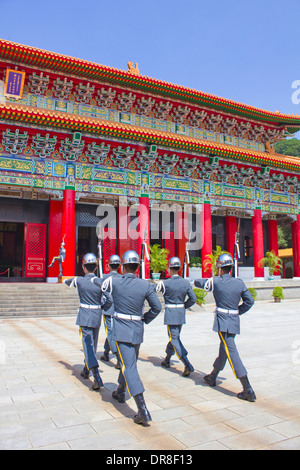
column 175, row 291
column 129, row 294
column 110, row 345
column 89, row 316
column 228, row 292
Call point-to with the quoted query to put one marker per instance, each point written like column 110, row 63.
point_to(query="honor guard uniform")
column 114, row 263
column 228, row 291
column 178, row 295
column 129, row 294
column 89, row 316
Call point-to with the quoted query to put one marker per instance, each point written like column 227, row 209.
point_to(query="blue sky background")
column 244, row 50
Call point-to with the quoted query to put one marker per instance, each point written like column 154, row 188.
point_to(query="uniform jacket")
column 109, row 309
column 129, row 294
column 175, row 291
column 228, row 292
column 89, row 294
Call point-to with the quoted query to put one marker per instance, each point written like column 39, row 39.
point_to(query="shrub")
column 200, row 294
column 253, row 293
column 278, row 292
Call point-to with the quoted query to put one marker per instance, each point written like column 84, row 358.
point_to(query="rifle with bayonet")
column 236, row 254
column 100, row 256
column 186, row 262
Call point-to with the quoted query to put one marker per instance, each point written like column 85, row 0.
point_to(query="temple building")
column 81, row 143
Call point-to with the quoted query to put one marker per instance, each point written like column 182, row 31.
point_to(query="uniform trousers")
column 175, row 345
column 110, row 344
column 229, row 351
column 128, row 354
column 89, row 339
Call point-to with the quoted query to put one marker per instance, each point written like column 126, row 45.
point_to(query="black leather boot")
column 85, row 373
column 118, row 365
column 248, row 393
column 211, row 378
column 105, row 356
column 143, row 416
column 188, row 368
column 97, row 379
column 166, row 362
column 119, row 394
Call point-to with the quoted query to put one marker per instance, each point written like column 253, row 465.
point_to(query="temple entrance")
column 86, row 243
column 11, row 251
column 86, row 222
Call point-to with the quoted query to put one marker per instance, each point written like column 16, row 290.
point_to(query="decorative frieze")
column 38, row 83
column 97, row 154
column 62, row 88
column 105, row 97
column 84, row 92
column 125, row 101
column 144, row 106
column 122, row 156
column 43, row 146
column 162, row 109
column 71, row 149
column 14, row 141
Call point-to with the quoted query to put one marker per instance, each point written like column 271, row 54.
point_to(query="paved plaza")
column 45, row 404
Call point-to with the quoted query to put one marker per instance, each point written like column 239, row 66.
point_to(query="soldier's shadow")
column 197, row 376
column 104, row 392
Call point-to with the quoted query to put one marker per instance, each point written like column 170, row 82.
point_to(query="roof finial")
column 132, row 69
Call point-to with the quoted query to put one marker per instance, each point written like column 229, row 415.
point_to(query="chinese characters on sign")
column 14, row 84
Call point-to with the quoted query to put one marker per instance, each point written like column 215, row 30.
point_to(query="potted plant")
column 271, row 261
column 158, row 260
column 211, row 260
column 195, row 271
column 200, row 294
column 278, row 294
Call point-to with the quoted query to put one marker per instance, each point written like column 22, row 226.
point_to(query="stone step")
column 40, row 299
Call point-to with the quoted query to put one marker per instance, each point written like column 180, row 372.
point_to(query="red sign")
column 35, row 250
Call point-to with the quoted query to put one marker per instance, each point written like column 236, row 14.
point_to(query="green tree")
column 288, row 147
column 284, row 237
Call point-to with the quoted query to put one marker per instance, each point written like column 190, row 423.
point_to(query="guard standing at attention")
column 175, row 291
column 89, row 316
column 228, row 291
column 114, row 263
column 129, row 294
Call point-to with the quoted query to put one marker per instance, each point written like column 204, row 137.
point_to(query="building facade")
column 90, row 151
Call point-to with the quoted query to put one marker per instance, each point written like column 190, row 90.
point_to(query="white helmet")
column 89, row 258
column 130, row 257
column 174, row 262
column 114, row 259
column 224, row 260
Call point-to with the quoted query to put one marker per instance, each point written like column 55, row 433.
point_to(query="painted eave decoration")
column 31, row 56
column 28, row 115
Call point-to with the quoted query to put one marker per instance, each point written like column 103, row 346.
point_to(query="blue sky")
column 245, row 50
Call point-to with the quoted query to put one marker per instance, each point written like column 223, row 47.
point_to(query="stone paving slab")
column 46, row 405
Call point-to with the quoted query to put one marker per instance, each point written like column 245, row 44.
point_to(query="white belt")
column 126, row 316
column 225, row 310
column 174, row 305
column 90, row 306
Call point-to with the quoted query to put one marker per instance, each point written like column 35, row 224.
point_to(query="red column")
column 54, row 234
column 258, row 243
column 68, row 229
column 296, row 246
column 207, row 239
column 273, row 240
column 144, row 229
